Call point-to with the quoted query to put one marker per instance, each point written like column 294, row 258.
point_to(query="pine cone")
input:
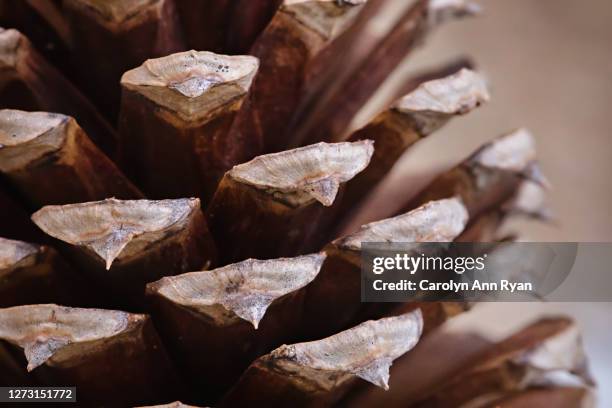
column 204, row 249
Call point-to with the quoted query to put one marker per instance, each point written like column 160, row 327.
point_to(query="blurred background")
column 549, row 63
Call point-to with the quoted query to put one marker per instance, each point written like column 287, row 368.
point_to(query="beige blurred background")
column 549, row 63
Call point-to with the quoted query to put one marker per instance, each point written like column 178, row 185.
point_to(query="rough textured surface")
column 175, row 115
column 308, row 173
column 409, row 120
column 286, row 48
column 30, row 83
column 13, row 252
column 437, row 221
column 18, row 127
column 327, row 18
column 193, row 83
column 32, row 274
column 51, row 160
column 116, row 10
column 44, row 330
column 488, row 178
column 367, row 351
column 115, row 228
column 246, row 288
column 434, row 102
column 515, row 66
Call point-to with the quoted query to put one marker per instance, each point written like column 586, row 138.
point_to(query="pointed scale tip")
column 306, row 174
column 111, row 228
column 435, row 102
column 436, row 221
column 44, row 330
column 514, row 151
column 324, row 191
column 245, row 288
column 366, row 351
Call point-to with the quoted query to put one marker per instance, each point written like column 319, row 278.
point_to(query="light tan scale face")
column 10, row 41
column 19, row 127
column 115, row 228
column 434, row 103
column 454, row 94
column 326, row 17
column 12, row 252
column 512, row 152
column 44, row 330
column 436, row 221
column 558, row 361
column 246, row 288
column 366, row 350
column 308, row 173
column 193, row 83
column 27, row 136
